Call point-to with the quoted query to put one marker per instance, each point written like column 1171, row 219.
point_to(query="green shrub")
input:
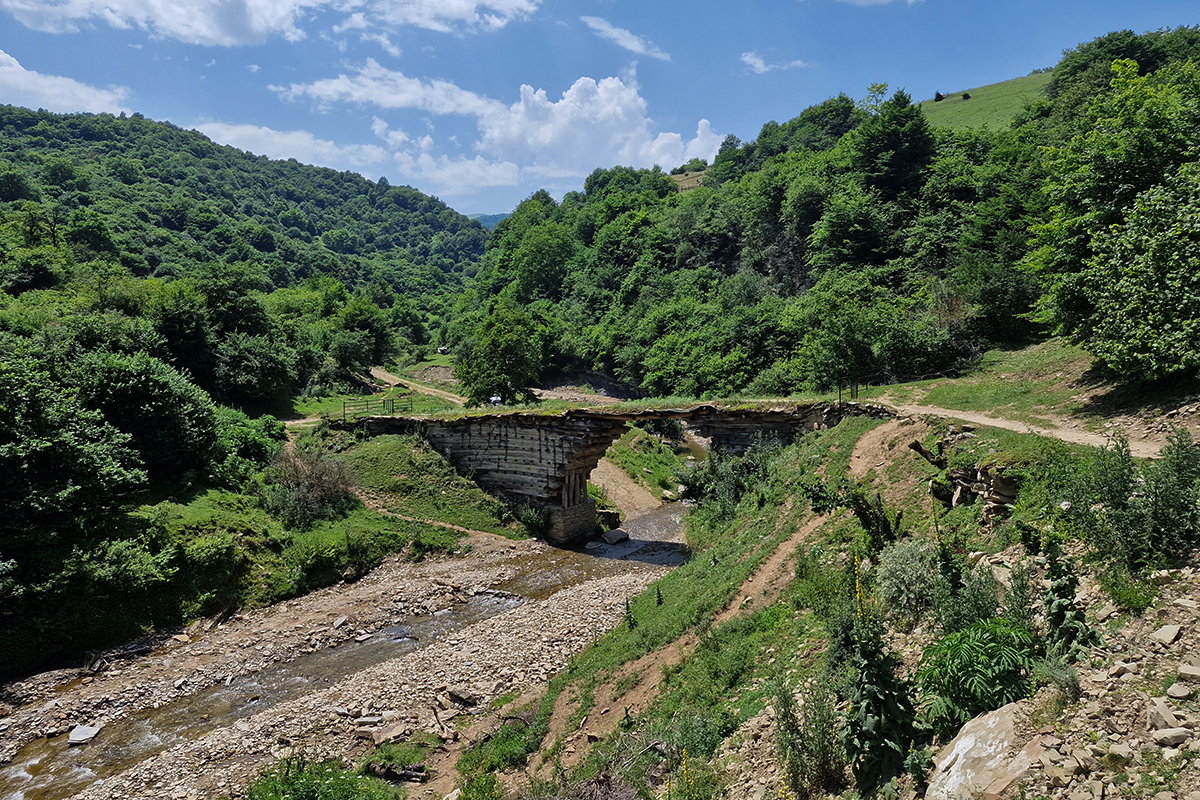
column 669, row 429
column 974, row 670
column 1125, row 590
column 905, row 581
column 959, row 604
column 298, row 778
column 1144, row 515
column 722, row 479
column 534, row 519
column 243, row 445
column 807, row 738
column 305, row 486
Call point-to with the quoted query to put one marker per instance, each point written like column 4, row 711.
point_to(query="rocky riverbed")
column 574, row 596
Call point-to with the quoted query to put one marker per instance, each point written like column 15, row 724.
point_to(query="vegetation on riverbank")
column 158, row 293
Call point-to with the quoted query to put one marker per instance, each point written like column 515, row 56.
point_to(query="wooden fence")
column 370, row 406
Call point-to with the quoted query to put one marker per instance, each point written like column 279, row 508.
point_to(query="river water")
column 47, row 769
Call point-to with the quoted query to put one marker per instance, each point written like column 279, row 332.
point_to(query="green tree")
column 179, row 312
column 541, row 263
column 1138, row 135
column 171, row 421
column 892, row 148
column 61, row 462
column 250, row 368
column 1143, row 286
column 505, row 359
column 363, row 317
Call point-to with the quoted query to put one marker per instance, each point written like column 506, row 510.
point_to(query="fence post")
column 343, row 412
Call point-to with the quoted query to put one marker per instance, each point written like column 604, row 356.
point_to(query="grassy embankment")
column 994, row 105
column 248, row 556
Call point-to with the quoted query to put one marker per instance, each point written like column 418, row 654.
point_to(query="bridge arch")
column 545, row 460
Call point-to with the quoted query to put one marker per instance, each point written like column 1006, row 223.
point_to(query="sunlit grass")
column 994, row 105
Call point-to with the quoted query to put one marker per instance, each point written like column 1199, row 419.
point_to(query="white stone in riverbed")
column 82, row 734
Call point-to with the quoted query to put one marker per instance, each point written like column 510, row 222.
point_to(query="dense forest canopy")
column 159, row 291
column 857, row 242
column 154, row 288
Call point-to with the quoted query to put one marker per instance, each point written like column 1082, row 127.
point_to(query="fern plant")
column 975, row 670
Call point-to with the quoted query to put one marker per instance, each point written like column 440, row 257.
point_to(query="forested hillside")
column 154, row 288
column 858, row 242
column 158, row 292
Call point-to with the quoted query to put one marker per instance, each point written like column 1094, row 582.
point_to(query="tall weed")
column 808, row 740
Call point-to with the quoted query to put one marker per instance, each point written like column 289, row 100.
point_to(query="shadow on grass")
column 1135, row 396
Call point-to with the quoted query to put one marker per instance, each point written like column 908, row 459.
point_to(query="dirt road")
column 382, row 375
column 1062, row 429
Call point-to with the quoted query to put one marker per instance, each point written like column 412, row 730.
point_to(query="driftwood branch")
column 937, row 459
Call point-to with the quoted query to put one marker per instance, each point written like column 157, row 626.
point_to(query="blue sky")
column 483, row 102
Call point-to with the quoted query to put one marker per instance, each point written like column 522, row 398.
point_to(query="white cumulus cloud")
column 25, row 87
column 231, row 22
column 240, row 22
column 374, row 84
column 623, row 38
column 758, row 64
column 394, row 138
column 458, row 175
column 300, row 145
column 450, row 15
column 593, row 123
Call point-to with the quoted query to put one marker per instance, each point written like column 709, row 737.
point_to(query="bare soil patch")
column 627, row 494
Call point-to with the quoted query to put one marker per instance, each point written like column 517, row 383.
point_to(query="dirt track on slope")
column 380, row 374
column 1061, row 429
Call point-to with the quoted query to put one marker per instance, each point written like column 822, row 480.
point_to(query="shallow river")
column 47, row 769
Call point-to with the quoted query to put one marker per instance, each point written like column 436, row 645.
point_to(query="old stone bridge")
column 544, row 460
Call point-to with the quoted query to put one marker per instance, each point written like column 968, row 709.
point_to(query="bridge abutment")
column 544, row 460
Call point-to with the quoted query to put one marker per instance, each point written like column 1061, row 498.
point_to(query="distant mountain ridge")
column 489, row 220
column 167, row 198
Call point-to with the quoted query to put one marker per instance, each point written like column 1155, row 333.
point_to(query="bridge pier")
column 544, row 460
column 573, row 522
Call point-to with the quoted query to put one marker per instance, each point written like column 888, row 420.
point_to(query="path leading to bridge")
column 1062, row 429
column 380, row 374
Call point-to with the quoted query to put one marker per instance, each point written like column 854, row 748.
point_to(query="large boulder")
column 986, row 757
